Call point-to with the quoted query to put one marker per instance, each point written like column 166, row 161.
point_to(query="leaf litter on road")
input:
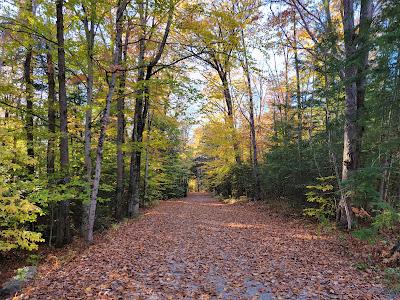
column 199, row 248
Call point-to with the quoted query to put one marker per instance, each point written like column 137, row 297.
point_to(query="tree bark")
column 287, row 134
column 363, row 47
column 29, row 101
column 51, row 113
column 51, row 116
column 146, row 170
column 121, row 132
column 298, row 90
column 104, row 120
column 63, row 224
column 90, row 34
column 145, row 72
column 356, row 51
column 141, row 108
column 229, row 105
column 253, row 140
column 133, row 204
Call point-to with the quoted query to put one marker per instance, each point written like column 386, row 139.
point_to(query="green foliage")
column 325, row 225
column 21, row 273
column 386, row 219
column 33, row 259
column 362, row 185
column 286, row 171
column 369, row 234
column 16, row 212
column 168, row 163
column 323, row 197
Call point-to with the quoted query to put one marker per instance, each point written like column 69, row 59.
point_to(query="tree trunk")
column 385, row 180
column 355, row 80
column 257, row 187
column 389, row 119
column 287, row 134
column 90, row 34
column 133, row 205
column 141, row 108
column 29, row 101
column 298, row 91
column 142, row 103
column 51, row 113
column 63, row 227
column 231, row 120
column 331, row 150
column 146, row 170
column 104, row 120
column 51, row 116
column 121, row 132
column 363, row 47
column 275, row 127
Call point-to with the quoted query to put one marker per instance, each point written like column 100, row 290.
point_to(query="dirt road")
column 199, row 248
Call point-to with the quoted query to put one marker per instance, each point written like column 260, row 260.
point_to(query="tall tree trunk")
column 63, row 224
column 133, row 204
column 141, row 108
column 121, row 132
column 344, row 215
column 363, row 47
column 275, row 127
column 385, row 180
column 388, row 129
column 287, row 131
column 229, row 105
column 257, row 187
column 51, row 116
column 146, row 168
column 90, row 34
column 356, row 51
column 104, row 120
column 145, row 72
column 329, row 134
column 298, row 91
column 51, row 113
column 327, row 85
column 29, row 101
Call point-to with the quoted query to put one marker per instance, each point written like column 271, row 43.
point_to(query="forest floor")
column 200, row 248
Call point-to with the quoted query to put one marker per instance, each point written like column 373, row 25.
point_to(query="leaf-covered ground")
column 199, row 248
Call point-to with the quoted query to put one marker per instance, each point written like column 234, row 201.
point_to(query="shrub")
column 15, row 213
column 322, row 196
